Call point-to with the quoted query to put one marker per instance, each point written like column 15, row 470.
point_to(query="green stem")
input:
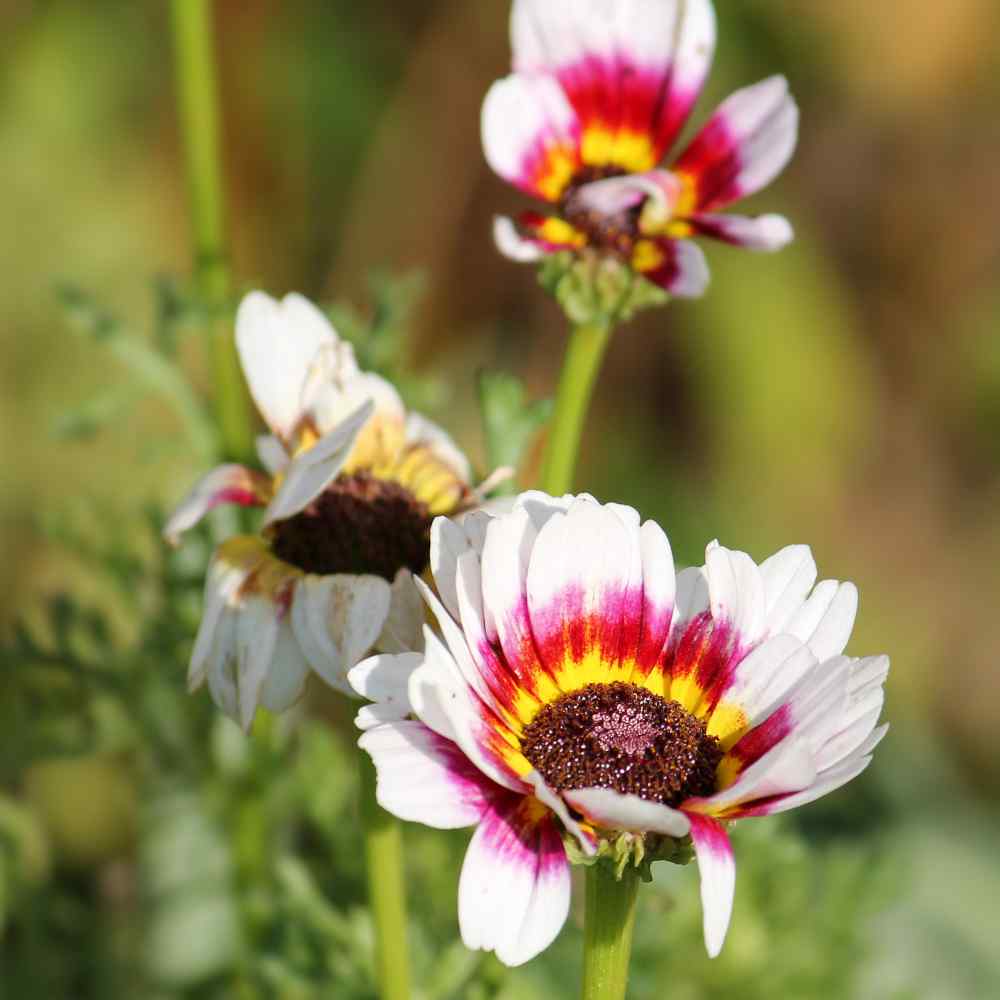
column 607, row 932
column 199, row 121
column 386, row 890
column 576, row 386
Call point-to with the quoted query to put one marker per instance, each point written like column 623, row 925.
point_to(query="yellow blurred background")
column 845, row 392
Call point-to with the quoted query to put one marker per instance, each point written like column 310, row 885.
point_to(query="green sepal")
column 623, row 850
column 595, row 288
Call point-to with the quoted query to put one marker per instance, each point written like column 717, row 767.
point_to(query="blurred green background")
column 845, row 393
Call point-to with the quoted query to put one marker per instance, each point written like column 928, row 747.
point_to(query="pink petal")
column 424, row 778
column 630, row 68
column 765, row 232
column 531, row 134
column 679, row 268
column 717, row 868
column 743, row 146
column 226, row 484
column 582, row 592
column 514, row 891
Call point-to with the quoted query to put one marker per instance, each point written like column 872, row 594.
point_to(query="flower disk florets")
column 626, row 738
column 359, row 524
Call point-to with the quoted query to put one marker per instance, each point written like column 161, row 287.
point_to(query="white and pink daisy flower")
column 579, row 690
column 600, row 93
column 352, row 484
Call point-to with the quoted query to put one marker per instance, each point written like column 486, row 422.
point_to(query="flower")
column 600, row 92
column 353, row 482
column 581, row 691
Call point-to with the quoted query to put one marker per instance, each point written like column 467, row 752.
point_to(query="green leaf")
column 509, row 420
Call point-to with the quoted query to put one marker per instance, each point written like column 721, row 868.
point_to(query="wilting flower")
column 600, row 92
column 581, row 690
column 353, row 482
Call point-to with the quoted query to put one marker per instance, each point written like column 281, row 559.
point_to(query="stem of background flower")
column 607, row 932
column 576, row 386
column 386, row 890
column 197, row 104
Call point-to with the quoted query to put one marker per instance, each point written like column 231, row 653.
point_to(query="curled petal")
column 765, row 232
column 226, row 484
column 612, row 810
column 513, row 245
column 677, row 266
column 313, row 470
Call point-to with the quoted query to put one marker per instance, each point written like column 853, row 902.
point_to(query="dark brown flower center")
column 616, row 232
column 359, row 524
column 626, row 738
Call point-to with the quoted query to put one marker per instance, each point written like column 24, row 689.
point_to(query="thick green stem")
column 197, row 103
column 576, row 386
column 386, row 890
column 607, row 932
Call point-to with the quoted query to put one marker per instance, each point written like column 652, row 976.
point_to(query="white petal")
column 221, row 583
column 788, row 767
column 403, row 628
column 736, row 592
column 615, row 811
column 826, row 619
column 763, row 679
column 221, row 666
column 313, row 470
column 256, row 636
column 512, row 244
column 717, row 868
column 385, row 680
column 424, row 778
column 331, row 402
column 277, row 342
column 514, row 891
column 286, row 677
column 659, row 589
column 226, row 484
column 449, row 539
column 827, row 782
column 271, row 453
column 336, row 620
column 788, row 576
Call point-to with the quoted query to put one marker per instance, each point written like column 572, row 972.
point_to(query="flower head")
column 600, row 93
column 583, row 697
column 351, row 486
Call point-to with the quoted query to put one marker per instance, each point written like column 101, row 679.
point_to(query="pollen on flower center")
column 626, row 738
column 359, row 524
